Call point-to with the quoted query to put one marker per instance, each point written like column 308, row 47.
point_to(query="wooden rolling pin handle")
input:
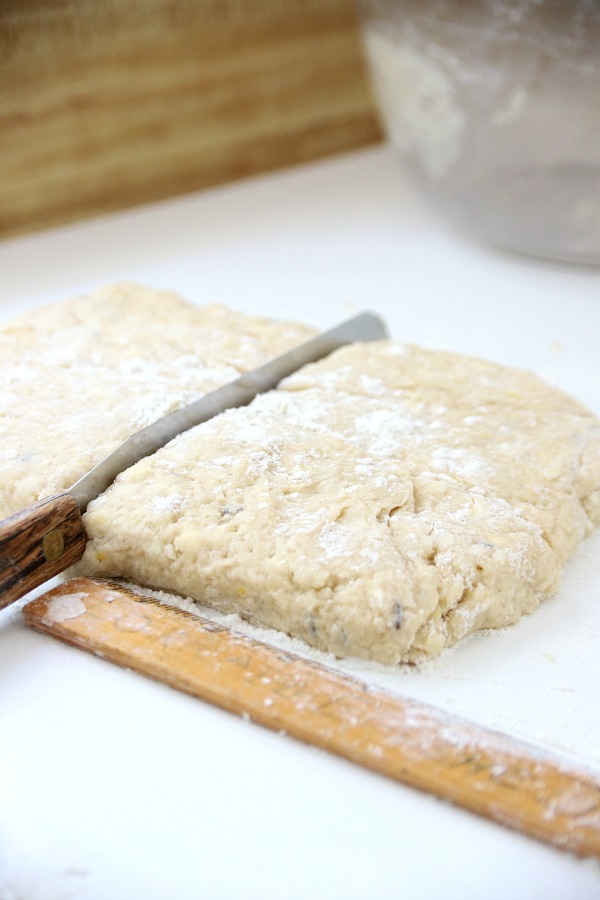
column 37, row 543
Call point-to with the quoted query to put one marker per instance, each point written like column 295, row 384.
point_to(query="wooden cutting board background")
column 107, row 104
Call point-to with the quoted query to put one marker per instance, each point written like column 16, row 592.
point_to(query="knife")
column 47, row 537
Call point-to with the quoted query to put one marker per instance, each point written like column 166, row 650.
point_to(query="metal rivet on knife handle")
column 53, row 545
column 37, row 543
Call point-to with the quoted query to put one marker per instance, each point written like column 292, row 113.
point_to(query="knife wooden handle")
column 37, row 543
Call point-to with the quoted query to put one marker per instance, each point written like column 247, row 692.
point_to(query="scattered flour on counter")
column 445, row 670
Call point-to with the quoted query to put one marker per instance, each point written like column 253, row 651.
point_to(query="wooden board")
column 106, row 104
column 483, row 771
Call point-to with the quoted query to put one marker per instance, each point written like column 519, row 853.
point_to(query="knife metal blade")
column 46, row 538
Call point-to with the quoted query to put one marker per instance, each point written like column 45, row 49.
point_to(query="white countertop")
column 113, row 787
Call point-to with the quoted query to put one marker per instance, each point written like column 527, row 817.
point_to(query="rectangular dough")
column 81, row 375
column 383, row 503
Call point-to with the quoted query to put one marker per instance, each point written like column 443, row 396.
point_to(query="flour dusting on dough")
column 126, row 356
column 382, row 503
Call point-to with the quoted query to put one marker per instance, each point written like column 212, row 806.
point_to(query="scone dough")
column 80, row 376
column 382, row 503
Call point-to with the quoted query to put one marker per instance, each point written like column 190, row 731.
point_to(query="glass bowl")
column 494, row 107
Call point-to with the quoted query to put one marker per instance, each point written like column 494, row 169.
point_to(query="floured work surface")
column 486, row 772
column 78, row 377
column 382, row 503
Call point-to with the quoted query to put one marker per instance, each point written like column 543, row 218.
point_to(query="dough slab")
column 79, row 376
column 382, row 503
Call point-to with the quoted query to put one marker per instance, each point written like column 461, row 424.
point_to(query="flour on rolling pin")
column 64, row 607
column 488, row 773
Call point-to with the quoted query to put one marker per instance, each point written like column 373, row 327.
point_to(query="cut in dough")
column 382, row 503
column 80, row 376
